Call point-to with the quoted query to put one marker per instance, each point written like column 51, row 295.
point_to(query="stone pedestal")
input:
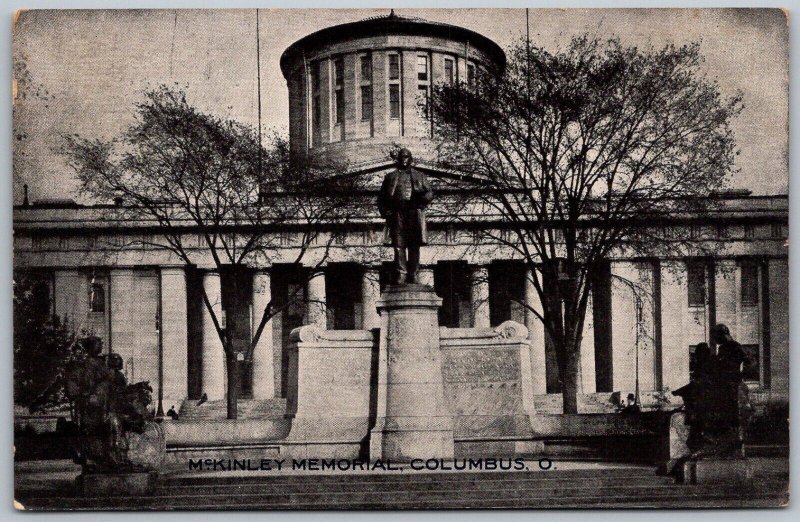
column 413, row 419
column 718, row 471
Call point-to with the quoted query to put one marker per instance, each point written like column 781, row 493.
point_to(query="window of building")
column 338, row 81
column 316, row 102
column 366, row 68
column 365, row 80
column 366, row 102
column 97, row 298
column 696, row 275
column 338, row 72
column 449, row 74
column 394, row 66
column 423, row 88
column 749, row 231
column 394, row 101
column 723, row 231
column 749, row 283
column 777, row 230
column 452, row 284
column 422, row 68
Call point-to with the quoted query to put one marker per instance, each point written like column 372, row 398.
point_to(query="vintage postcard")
column 400, row 259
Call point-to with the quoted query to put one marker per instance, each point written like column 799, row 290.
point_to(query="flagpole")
column 258, row 95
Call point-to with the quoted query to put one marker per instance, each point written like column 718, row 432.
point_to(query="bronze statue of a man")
column 404, row 195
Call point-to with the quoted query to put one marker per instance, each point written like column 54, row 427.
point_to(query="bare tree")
column 200, row 176
column 583, row 153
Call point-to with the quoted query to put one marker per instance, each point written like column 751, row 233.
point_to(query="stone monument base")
column 117, row 484
column 403, row 439
column 718, row 471
column 414, row 420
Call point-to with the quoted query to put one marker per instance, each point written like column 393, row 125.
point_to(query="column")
column 535, row 334
column 674, row 313
column 316, row 313
column 123, row 332
column 71, row 297
column 778, row 285
column 174, row 336
column 480, row 297
column 588, row 382
column 623, row 327
column 263, row 365
column 425, row 276
column 370, row 292
column 213, row 354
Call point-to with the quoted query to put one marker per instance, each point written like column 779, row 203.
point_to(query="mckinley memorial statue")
column 402, row 200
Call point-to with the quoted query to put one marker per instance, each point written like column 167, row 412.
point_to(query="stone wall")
column 331, row 391
column 333, row 384
column 487, row 380
column 487, row 384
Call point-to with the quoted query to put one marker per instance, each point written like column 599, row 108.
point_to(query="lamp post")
column 639, row 306
column 159, row 333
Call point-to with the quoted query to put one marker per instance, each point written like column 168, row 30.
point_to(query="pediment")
column 374, row 172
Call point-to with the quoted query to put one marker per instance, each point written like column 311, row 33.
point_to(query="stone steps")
column 454, row 499
column 246, row 409
column 592, row 487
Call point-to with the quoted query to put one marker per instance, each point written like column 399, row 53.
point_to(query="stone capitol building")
column 354, row 92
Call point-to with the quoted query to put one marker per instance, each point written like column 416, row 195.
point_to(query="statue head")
column 114, row 361
column 720, row 334
column 404, row 158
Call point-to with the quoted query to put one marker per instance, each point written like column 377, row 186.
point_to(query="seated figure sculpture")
column 115, row 428
column 716, row 399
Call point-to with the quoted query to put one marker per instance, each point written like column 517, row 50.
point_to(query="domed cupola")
column 356, row 88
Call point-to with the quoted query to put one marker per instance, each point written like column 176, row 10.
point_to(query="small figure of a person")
column 171, row 413
column 631, row 406
column 404, row 195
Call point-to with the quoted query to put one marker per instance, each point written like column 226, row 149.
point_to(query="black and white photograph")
column 400, row 259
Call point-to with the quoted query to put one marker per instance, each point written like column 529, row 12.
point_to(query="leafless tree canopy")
column 583, row 151
column 195, row 174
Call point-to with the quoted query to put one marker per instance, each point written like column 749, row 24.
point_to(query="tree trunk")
column 571, row 373
column 232, row 368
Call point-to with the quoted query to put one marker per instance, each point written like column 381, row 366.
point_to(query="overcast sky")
column 83, row 70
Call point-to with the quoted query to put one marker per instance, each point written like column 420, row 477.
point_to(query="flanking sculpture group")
column 119, row 445
column 716, row 399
